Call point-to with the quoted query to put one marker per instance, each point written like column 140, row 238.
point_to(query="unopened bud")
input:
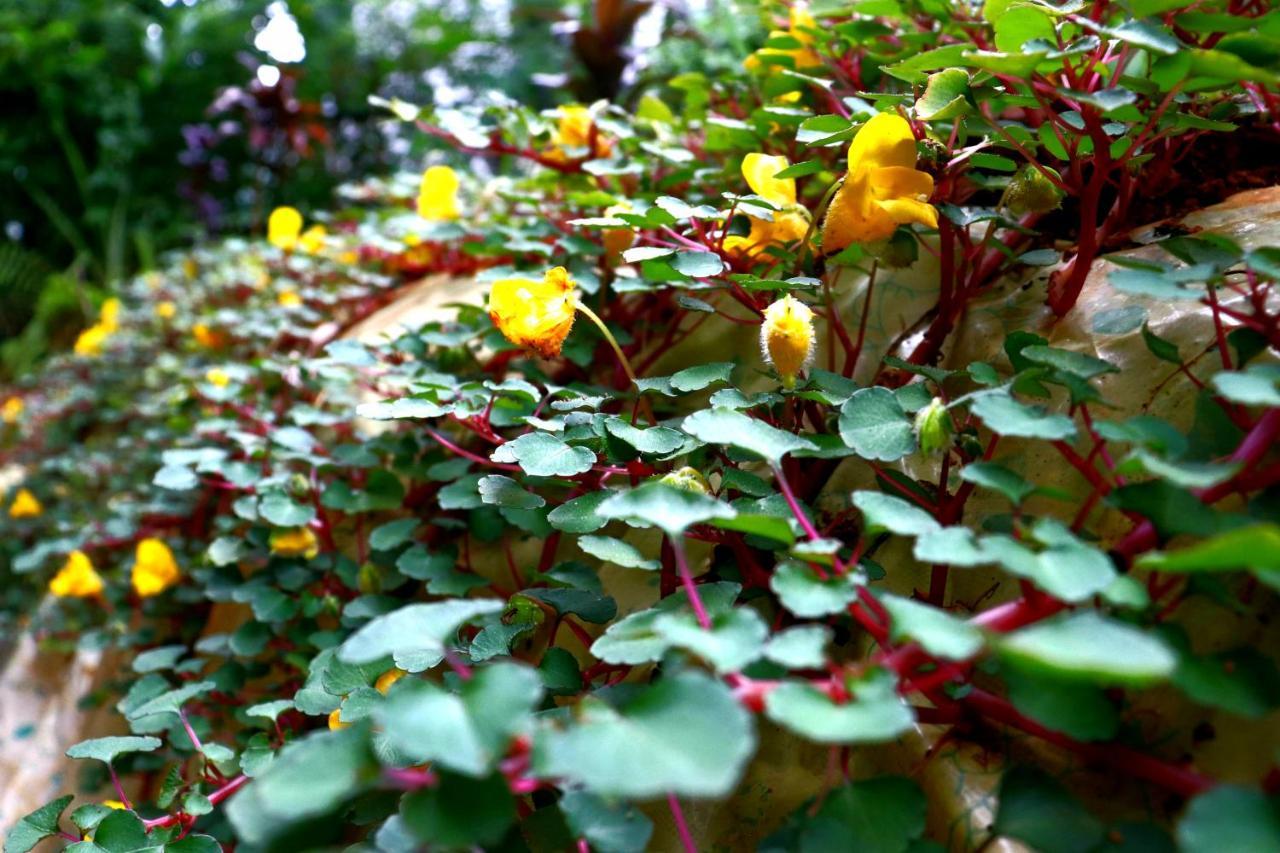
column 689, row 479
column 786, row 338
column 933, row 427
column 369, row 579
column 1031, row 191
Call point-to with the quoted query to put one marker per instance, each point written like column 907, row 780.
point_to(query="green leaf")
column 283, row 511
column 881, row 815
column 176, row 478
column 729, row 427
column 873, row 423
column 589, row 604
column 33, row 828
column 1006, row 416
column 685, row 735
column 952, row 546
column 107, row 748
column 1257, row 386
column 171, row 701
column 393, row 534
column 1075, row 363
column 467, row 732
column 886, row 512
column 460, row 813
column 1088, row 647
column 735, row 638
column 996, row 477
column 1081, row 711
column 1036, row 810
column 580, row 514
column 1241, row 681
column 1068, row 568
column 1255, row 547
column 945, row 96
column 806, row 595
column 608, row 826
column 799, row 647
column 270, row 710
column 701, row 376
column 540, row 454
column 940, row 633
column 503, row 491
column 1020, row 24
column 414, row 635
column 616, row 551
column 875, row 714
column 1229, row 817
column 654, row 440
column 697, row 264
column 122, row 832
column 670, row 509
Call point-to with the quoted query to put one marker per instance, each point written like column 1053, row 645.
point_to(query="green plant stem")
column 608, row 336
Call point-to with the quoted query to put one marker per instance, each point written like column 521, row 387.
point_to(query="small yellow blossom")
column 388, row 678
column 786, row 338
column 295, row 542
column 190, row 268
column 536, row 315
column 618, row 240
column 166, row 310
column 283, row 227
column 207, row 337
column 882, row 190
column 289, row 299
column 790, row 221
column 335, row 720
column 801, row 28
column 12, row 410
column 154, row 568
column 109, row 314
column 77, row 578
column 217, row 377
column 25, row 505
column 349, row 257
column 438, row 194
column 90, row 341
column 312, row 240
column 114, row 804
column 574, row 131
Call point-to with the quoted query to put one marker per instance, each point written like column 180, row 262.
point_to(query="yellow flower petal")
column 154, row 568
column 900, row 182
column 295, row 542
column 786, row 338
column 536, row 315
column 885, row 140
column 89, row 343
column 11, row 410
column 438, row 194
column 25, row 505
column 289, row 299
column 207, row 337
column 335, row 720
column 218, row 377
column 759, row 170
column 312, row 240
column 904, row 211
column 77, row 578
column 109, row 314
column 166, row 310
column 283, row 227
column 388, row 678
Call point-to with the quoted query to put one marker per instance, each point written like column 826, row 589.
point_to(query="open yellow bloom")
column 166, row 310
column 786, row 338
column 77, row 578
column 536, row 315
column 882, row 190
column 25, row 505
column 89, row 342
column 295, row 542
column 11, row 410
column 218, row 377
column 289, row 299
column 154, row 568
column 573, row 131
column 438, row 194
column 283, row 227
column 312, row 240
column 207, row 337
column 790, row 222
column 388, row 678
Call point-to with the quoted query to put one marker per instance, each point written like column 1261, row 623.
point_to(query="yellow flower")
column 289, row 299
column 154, row 568
column 11, row 410
column 312, row 240
column 25, row 505
column 801, row 28
column 109, row 314
column 114, row 804
column 786, row 338
column 790, row 221
column 882, row 190
column 388, row 678
column 283, row 227
column 77, row 578
column 218, row 377
column 533, row 314
column 618, row 240
column 573, row 131
column 207, row 337
column 438, row 194
column 335, row 720
column 166, row 310
column 295, row 542
column 90, row 341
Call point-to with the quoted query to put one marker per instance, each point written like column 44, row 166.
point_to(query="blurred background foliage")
column 134, row 126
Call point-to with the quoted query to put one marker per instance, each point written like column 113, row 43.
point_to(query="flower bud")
column 689, row 479
column 786, row 338
column 934, row 427
column 1031, row 191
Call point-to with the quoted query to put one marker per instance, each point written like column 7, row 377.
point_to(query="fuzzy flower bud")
column 1031, row 191
column 689, row 479
column 786, row 338
column 934, row 427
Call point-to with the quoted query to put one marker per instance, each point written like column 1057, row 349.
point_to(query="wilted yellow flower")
column 289, row 299
column 12, row 410
column 295, row 542
column 166, row 310
column 218, row 377
column 882, row 190
column 786, row 338
column 618, row 240
column 25, row 505
column 283, row 227
column 154, row 568
column 573, row 131
column 335, row 720
column 790, row 221
column 90, row 341
column 388, row 678
column 77, row 578
column 536, row 315
column 312, row 240
column 207, row 337
column 438, row 194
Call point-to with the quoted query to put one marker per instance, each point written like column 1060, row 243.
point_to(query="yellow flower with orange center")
column 535, row 315
column 882, row 189
column 166, row 310
column 283, row 227
column 289, row 299
column 790, row 221
column 438, row 194
column 25, row 505
column 786, row 338
column 12, row 410
column 77, row 578
column 154, row 568
column 295, row 542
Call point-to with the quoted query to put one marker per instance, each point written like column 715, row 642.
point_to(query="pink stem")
column 690, row 588
column 682, row 828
